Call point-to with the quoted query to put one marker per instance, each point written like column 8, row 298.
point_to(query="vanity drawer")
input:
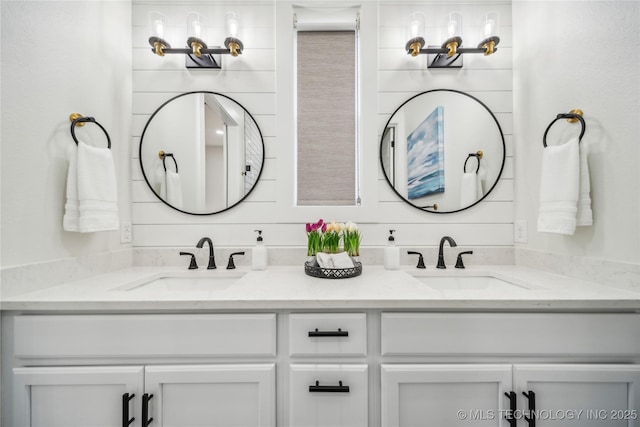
column 328, row 334
column 153, row 335
column 328, row 395
column 524, row 334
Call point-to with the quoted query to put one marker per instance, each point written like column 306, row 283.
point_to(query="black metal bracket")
column 329, row 388
column 531, row 419
column 338, row 333
column 209, row 61
column 126, row 398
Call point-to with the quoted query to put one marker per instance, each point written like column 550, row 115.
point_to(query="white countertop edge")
column 289, row 289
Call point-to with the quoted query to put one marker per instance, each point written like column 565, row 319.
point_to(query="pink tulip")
column 308, row 227
column 320, row 223
column 324, row 227
column 314, row 227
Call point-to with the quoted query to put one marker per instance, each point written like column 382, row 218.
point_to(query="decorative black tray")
column 311, row 268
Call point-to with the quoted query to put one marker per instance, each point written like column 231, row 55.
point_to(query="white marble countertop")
column 289, row 288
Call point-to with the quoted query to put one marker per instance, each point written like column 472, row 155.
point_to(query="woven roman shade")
column 326, row 118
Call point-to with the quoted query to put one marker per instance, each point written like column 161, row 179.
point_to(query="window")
column 327, row 146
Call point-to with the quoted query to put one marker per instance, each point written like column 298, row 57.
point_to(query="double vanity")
column 165, row 346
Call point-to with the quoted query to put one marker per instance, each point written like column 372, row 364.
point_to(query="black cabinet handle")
column 338, row 333
column 329, row 388
column 512, row 409
column 145, row 409
column 532, row 408
column 126, row 398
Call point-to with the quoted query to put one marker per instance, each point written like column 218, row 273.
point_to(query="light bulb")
column 195, row 25
column 490, row 24
column 232, row 25
column 157, row 24
column 416, row 25
column 454, row 24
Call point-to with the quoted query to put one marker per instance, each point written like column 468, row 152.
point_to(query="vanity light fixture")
column 197, row 53
column 449, row 54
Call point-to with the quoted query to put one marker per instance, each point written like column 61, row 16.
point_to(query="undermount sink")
column 177, row 282
column 484, row 282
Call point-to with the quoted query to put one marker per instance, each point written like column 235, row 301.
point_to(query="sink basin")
column 184, row 283
column 470, row 283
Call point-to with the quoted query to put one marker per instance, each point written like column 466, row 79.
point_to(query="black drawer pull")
column 338, row 333
column 329, row 388
column 145, row 409
column 125, row 409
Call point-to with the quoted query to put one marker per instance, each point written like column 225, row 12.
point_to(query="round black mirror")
column 201, row 153
column 442, row 151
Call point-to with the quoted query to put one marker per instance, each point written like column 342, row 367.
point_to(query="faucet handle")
column 420, row 258
column 231, row 265
column 459, row 263
column 192, row 265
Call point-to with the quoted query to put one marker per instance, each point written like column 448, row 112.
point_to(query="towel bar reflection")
column 164, row 156
column 79, row 120
column 572, row 116
column 478, row 155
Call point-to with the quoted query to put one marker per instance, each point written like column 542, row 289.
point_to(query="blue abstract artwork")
column 425, row 156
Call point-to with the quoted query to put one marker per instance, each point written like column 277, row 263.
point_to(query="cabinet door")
column 76, row 396
column 445, row 395
column 581, row 395
column 211, row 395
column 328, row 396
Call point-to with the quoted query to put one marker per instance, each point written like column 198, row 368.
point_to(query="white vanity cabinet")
column 434, row 393
column 77, row 396
column 124, row 394
column 333, row 391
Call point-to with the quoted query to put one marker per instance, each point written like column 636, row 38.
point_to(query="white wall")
column 389, row 78
column 581, row 54
column 59, row 58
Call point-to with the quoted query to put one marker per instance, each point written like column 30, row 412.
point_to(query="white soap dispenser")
column 391, row 253
column 259, row 254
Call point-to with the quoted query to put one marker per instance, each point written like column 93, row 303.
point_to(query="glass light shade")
column 157, row 25
column 233, row 25
column 415, row 25
column 490, row 23
column 453, row 25
column 195, row 25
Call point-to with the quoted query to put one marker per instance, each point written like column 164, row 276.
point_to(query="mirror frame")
column 504, row 151
column 142, row 140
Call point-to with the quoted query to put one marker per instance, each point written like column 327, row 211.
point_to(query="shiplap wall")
column 251, row 80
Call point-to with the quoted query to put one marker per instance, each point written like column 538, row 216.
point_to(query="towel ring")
column 164, row 156
column 478, row 154
column 78, row 120
column 572, row 117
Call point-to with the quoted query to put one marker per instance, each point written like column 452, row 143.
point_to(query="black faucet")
column 212, row 258
column 452, row 243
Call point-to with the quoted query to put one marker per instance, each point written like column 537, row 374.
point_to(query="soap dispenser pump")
column 259, row 254
column 391, row 253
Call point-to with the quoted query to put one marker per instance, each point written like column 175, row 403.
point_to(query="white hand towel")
column 559, row 177
column 159, row 181
column 97, row 189
column 342, row 260
column 584, row 216
column 324, row 260
column 469, row 189
column 71, row 207
column 174, row 189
